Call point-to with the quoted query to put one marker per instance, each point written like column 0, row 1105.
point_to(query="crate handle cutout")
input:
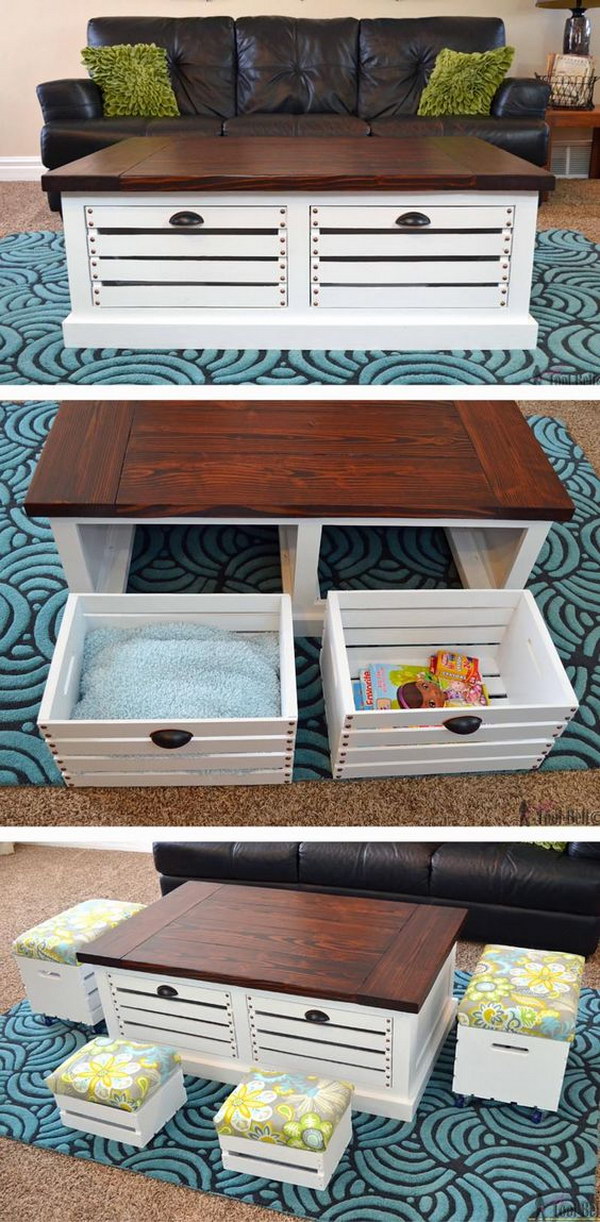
column 166, row 990
column 510, row 1048
column 49, row 974
column 170, row 740
column 462, row 725
column 186, row 220
column 413, row 220
column 316, row 1016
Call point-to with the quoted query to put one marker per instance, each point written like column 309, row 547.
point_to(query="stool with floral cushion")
column 286, row 1126
column 119, row 1089
column 516, row 1024
column 55, row 982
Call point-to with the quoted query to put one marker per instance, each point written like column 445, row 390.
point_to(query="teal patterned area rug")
column 566, row 584
column 34, row 300
column 485, row 1162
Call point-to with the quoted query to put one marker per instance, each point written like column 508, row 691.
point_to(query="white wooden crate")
column 531, row 697
column 305, row 1168
column 511, row 1068
column 130, row 1128
column 61, row 990
column 239, row 751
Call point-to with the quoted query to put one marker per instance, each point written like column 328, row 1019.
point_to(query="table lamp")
column 576, row 40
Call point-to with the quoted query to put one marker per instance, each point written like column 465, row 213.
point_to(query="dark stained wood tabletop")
column 372, row 952
column 187, row 163
column 344, row 458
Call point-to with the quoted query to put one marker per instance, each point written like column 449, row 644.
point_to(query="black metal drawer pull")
column 166, row 990
column 316, row 1016
column 413, row 220
column 463, row 725
column 186, row 220
column 171, row 739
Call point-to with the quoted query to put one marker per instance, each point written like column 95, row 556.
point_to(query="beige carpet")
column 35, row 883
column 424, row 802
column 574, row 205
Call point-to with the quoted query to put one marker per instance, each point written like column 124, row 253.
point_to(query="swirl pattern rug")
column 485, row 1162
column 565, row 582
column 34, row 300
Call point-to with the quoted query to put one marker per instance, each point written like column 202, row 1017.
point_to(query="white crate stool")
column 516, row 1024
column 97, row 1089
column 257, row 1138
column 56, row 984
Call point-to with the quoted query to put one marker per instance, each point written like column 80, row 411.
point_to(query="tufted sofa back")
column 285, row 65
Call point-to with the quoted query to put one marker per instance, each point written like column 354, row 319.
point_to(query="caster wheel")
column 48, row 1022
column 536, row 1116
column 460, row 1100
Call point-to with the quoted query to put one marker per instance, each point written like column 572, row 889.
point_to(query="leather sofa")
column 519, row 894
column 286, row 76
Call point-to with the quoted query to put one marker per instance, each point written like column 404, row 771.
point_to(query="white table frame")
column 418, row 325
column 489, row 554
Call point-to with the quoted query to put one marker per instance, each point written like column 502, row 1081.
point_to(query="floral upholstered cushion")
column 60, row 937
column 117, row 1073
column 535, row 992
column 285, row 1109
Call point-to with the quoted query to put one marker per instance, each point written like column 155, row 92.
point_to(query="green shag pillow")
column 462, row 84
column 133, row 80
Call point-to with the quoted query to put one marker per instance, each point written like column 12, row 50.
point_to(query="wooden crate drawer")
column 349, row 1048
column 531, row 697
column 386, row 216
column 204, row 998
column 160, row 216
column 214, row 751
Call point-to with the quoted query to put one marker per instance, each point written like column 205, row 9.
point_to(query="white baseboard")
column 20, row 169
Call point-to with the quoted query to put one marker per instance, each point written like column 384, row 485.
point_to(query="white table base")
column 96, row 553
column 334, row 271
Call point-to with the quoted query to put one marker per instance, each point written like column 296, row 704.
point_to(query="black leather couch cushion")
column 296, row 65
column 200, row 53
column 523, row 139
column 398, row 55
column 248, row 861
column 64, row 142
column 295, row 125
column 520, row 875
column 386, row 867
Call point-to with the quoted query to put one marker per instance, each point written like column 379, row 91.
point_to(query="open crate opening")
column 531, row 698
column 180, row 751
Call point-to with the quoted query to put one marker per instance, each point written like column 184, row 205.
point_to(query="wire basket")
column 570, row 92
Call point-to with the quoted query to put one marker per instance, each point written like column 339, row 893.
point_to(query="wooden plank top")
column 371, row 952
column 192, row 163
column 338, row 459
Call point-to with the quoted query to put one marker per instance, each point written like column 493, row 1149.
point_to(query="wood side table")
column 235, row 976
column 557, row 119
column 474, row 468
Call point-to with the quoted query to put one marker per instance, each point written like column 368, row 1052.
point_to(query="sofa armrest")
column 61, row 100
column 521, row 98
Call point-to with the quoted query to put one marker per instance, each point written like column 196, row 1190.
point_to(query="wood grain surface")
column 347, row 459
column 188, row 163
column 371, row 952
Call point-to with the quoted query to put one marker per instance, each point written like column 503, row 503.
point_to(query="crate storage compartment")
column 197, row 256
column 209, row 751
column 167, row 1010
column 433, row 256
column 61, row 990
column 531, row 697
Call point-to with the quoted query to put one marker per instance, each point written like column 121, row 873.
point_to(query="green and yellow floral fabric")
column 533, row 992
column 116, row 1073
column 285, row 1109
column 60, row 937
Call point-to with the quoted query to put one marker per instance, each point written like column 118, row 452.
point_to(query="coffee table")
column 236, row 976
column 474, row 468
column 180, row 242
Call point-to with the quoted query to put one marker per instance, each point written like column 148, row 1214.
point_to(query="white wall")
column 42, row 39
